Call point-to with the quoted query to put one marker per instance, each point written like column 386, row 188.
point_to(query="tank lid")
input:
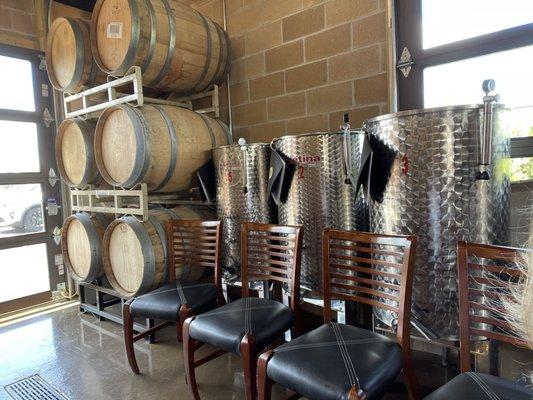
column 408, row 113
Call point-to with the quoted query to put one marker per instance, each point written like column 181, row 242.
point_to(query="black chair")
column 248, row 325
column 486, row 274
column 338, row 361
column 194, row 244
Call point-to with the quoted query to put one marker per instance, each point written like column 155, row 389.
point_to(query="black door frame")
column 43, row 94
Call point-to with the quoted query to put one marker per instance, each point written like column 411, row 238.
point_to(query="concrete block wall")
column 299, row 65
column 18, row 23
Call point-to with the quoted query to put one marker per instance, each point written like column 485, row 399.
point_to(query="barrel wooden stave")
column 74, row 148
column 81, row 246
column 177, row 48
column 69, row 60
column 135, row 254
column 160, row 145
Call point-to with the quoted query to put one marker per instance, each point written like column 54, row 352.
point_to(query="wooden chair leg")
column 264, row 383
column 184, row 313
column 410, row 378
column 249, row 361
column 127, row 319
column 188, row 353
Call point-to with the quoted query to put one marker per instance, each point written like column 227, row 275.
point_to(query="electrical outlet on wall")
column 61, row 286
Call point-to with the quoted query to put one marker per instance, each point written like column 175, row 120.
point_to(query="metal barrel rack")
column 135, row 201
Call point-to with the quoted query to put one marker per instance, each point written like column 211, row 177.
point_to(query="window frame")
column 408, row 31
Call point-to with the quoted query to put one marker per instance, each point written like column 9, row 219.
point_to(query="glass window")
column 16, row 83
column 453, row 20
column 19, row 148
column 27, row 265
column 21, row 210
column 459, row 82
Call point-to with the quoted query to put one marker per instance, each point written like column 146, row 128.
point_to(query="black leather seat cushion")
column 225, row 326
column 165, row 302
column 323, row 364
column 472, row 385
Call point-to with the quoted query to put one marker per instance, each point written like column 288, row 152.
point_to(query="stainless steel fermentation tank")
column 322, row 192
column 242, row 178
column 449, row 181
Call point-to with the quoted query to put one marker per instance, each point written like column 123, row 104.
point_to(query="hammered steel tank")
column 448, row 182
column 242, row 177
column 320, row 194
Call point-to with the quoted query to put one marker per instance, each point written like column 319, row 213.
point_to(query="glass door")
column 28, row 197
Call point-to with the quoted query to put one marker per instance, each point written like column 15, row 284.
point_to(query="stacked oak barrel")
column 179, row 51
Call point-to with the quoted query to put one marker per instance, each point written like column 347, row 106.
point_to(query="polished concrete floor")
column 84, row 358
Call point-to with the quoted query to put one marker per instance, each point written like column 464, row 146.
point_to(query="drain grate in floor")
column 33, row 388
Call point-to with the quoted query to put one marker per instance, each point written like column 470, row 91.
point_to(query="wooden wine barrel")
column 81, row 245
column 177, row 48
column 159, row 145
column 135, row 252
column 69, row 61
column 75, row 152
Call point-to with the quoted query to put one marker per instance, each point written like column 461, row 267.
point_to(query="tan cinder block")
column 248, row 67
column 245, row 19
column 22, row 5
column 264, row 133
column 357, row 116
column 370, row 90
column 239, row 93
column 23, row 22
column 303, row 23
column 263, row 38
column 250, row 114
column 306, row 76
column 370, row 30
column 276, row 9
column 241, row 132
column 324, row 44
column 237, row 47
column 329, row 98
column 288, row 106
column 355, row 64
column 267, row 86
column 311, row 3
column 5, row 19
column 339, row 11
column 232, row 6
column 212, row 9
column 285, row 56
column 313, row 123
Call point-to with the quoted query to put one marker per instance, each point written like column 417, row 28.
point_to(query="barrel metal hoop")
column 199, row 85
column 89, row 151
column 94, row 246
column 153, row 35
column 173, row 147
column 210, row 129
column 129, row 59
column 80, row 56
column 160, row 229
column 171, row 45
column 147, row 250
column 221, row 64
column 228, row 58
column 142, row 152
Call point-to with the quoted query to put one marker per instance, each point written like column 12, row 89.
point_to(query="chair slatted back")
column 370, row 268
column 194, row 244
column 487, row 276
column 272, row 253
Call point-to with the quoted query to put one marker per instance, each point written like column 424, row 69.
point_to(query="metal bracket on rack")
column 103, row 96
column 212, row 109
